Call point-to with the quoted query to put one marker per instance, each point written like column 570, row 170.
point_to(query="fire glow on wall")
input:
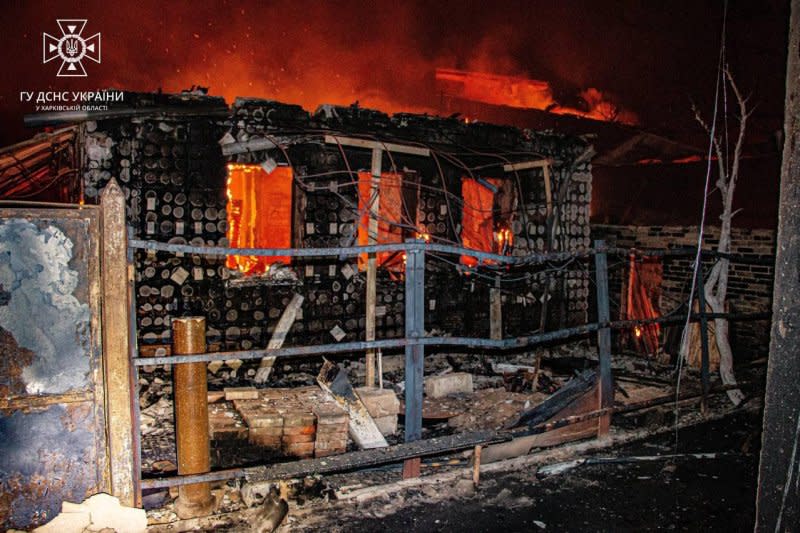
column 259, row 214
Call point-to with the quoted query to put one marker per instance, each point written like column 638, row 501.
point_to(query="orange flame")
column 516, row 91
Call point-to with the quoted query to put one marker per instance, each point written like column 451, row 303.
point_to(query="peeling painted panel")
column 48, row 456
column 38, row 281
column 52, row 420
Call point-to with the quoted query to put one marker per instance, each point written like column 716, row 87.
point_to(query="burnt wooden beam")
column 116, row 344
column 372, row 261
column 778, row 495
column 558, row 401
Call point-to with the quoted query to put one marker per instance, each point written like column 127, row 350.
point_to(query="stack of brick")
column 224, row 423
column 332, row 429
column 383, row 406
column 300, row 422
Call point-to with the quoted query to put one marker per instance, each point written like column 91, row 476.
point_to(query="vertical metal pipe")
column 606, row 391
column 191, row 417
column 704, row 361
column 415, row 353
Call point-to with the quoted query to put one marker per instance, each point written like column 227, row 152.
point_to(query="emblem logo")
column 71, row 48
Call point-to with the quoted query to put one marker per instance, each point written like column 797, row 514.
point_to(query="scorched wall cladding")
column 173, row 171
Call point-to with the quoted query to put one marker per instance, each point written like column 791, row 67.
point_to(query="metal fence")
column 414, row 342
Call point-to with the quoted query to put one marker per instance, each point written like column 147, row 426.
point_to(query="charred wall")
column 173, row 171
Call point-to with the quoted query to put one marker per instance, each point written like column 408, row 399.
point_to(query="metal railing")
column 414, row 340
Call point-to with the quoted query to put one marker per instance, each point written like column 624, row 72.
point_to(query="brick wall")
column 749, row 287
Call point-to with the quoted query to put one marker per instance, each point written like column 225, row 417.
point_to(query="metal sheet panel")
column 52, row 424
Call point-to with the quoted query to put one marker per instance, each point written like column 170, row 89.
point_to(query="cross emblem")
column 71, row 48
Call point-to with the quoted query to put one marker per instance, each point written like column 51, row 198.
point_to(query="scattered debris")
column 270, row 515
column 491, row 409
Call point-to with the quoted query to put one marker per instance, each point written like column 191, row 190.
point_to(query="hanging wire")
column 701, row 229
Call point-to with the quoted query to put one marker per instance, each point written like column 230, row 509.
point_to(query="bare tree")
column 716, row 285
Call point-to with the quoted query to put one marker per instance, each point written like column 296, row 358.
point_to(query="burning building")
column 269, row 175
column 230, row 247
column 198, row 176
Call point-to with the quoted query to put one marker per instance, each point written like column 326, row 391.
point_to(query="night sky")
column 649, row 57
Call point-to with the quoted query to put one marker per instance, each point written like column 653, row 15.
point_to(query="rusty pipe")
column 191, row 417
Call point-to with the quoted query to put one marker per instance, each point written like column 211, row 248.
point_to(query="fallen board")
column 363, row 430
column 276, row 342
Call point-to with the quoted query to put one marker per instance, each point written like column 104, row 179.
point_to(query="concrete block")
column 387, row 424
column 379, row 402
column 455, row 382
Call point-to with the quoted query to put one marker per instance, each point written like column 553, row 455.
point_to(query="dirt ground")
column 683, row 494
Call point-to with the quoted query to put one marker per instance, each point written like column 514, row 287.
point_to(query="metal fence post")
column 704, row 361
column 191, row 417
column 606, row 391
column 415, row 353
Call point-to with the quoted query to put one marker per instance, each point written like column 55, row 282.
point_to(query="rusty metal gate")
column 52, row 421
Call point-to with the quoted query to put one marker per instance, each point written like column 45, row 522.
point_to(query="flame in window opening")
column 259, row 214
column 503, row 239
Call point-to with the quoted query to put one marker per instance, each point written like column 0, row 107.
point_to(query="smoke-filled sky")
column 649, row 57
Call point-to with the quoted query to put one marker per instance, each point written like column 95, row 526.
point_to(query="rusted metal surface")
column 191, row 418
column 116, row 349
column 52, row 425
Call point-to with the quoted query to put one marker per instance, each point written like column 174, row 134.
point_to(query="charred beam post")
column 191, row 417
column 415, row 352
column 372, row 261
column 701, row 298
column 116, row 344
column 778, row 496
column 606, row 389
